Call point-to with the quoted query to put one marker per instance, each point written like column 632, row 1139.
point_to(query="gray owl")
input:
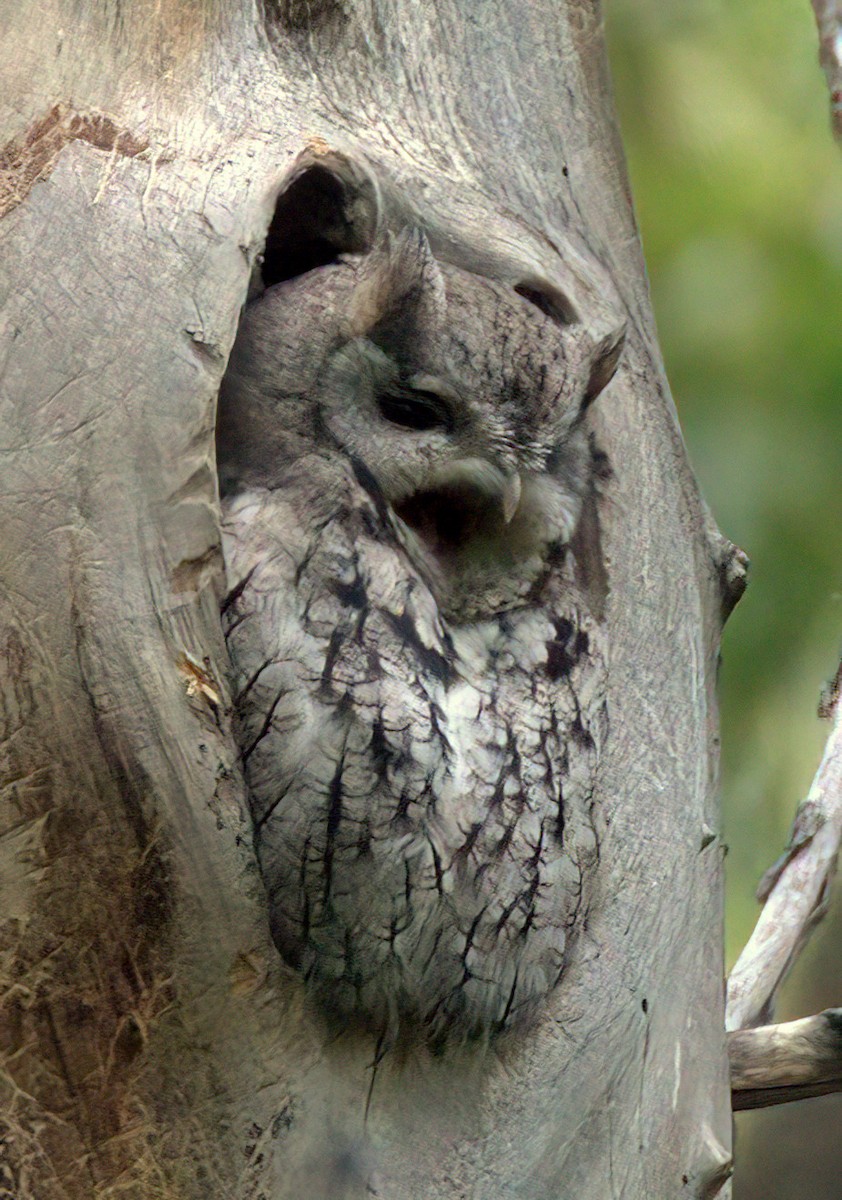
column 418, row 675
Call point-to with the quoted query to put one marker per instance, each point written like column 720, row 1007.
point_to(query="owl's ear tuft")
column 401, row 294
column 328, row 206
column 604, row 364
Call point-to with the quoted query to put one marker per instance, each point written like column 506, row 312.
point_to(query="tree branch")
column 793, row 1061
column 795, row 889
column 829, row 20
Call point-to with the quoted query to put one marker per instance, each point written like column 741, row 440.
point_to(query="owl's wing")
column 421, row 796
column 341, row 666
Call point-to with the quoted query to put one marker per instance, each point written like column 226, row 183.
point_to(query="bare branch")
column 829, row 20
column 795, row 889
column 779, row 1063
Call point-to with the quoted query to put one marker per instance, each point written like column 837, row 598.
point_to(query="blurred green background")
column 738, row 190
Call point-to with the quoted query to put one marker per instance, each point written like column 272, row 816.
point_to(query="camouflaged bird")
column 404, row 465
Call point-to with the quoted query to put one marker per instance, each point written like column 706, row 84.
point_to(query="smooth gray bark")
column 152, row 1043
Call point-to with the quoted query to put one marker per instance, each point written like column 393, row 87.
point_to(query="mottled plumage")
column 419, row 681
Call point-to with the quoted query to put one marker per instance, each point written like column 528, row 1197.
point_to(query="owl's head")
column 459, row 399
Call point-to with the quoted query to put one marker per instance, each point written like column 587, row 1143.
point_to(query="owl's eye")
column 416, row 410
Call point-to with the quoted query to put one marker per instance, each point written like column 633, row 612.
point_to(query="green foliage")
column 738, row 192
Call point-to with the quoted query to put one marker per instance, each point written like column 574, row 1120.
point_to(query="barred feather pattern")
column 422, row 790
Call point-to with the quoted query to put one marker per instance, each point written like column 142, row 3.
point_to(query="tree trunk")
column 153, row 1044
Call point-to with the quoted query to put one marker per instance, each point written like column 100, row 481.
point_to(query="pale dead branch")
column 829, row 20
column 795, row 889
column 792, row 1061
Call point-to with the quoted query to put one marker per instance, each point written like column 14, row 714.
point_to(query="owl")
column 405, row 469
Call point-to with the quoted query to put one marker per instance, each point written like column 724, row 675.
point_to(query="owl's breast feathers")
column 421, row 792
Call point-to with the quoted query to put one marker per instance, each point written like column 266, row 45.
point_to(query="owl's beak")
column 510, row 496
column 462, row 502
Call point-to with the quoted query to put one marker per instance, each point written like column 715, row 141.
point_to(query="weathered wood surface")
column 152, row 1044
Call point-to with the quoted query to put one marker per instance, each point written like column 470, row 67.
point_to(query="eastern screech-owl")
column 419, row 682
